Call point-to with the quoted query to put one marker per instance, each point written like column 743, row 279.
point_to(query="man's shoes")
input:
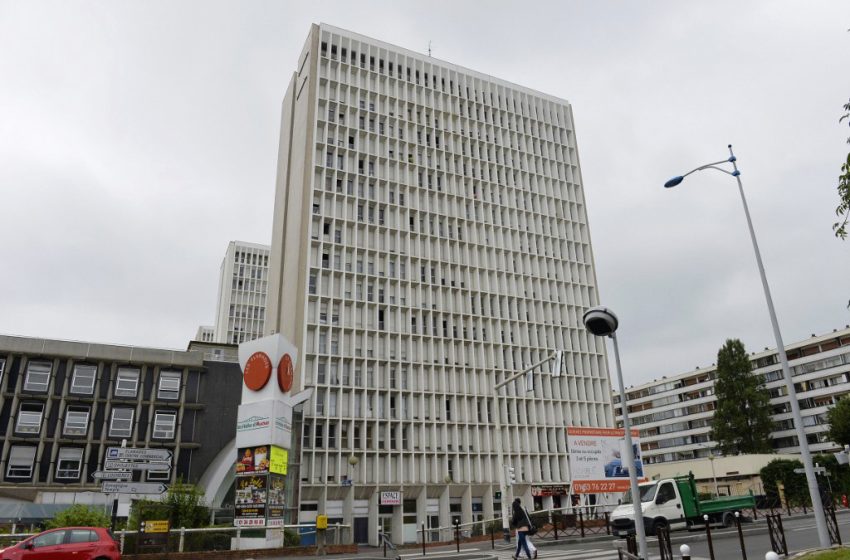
column 535, row 555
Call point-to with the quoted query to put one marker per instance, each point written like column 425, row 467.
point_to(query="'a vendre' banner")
column 597, row 459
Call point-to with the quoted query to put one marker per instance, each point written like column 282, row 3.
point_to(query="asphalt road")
column 800, row 535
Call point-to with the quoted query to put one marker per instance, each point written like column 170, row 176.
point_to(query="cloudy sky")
column 137, row 139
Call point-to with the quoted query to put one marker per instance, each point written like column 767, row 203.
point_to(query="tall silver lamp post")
column 817, row 505
column 601, row 321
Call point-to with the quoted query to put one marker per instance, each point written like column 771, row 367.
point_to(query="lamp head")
column 600, row 321
column 673, row 182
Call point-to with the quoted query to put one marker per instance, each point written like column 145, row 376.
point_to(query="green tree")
column 80, row 515
column 843, row 209
column 838, row 417
column 182, row 506
column 742, row 421
column 782, row 470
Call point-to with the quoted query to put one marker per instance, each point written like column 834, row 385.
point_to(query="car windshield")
column 647, row 494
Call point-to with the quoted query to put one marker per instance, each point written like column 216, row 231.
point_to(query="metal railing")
column 209, row 538
column 579, row 521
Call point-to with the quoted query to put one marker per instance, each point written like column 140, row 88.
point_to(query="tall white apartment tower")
column 430, row 239
column 242, row 287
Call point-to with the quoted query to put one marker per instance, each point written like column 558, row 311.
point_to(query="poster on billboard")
column 276, row 500
column 252, row 460
column 597, row 459
column 250, row 498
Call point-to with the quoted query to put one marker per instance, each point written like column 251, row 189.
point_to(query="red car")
column 67, row 543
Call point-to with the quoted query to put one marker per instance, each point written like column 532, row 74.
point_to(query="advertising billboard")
column 250, row 498
column 276, row 500
column 597, row 459
column 261, row 459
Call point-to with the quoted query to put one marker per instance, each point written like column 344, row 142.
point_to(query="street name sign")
column 133, row 488
column 112, row 475
column 121, row 465
column 137, row 454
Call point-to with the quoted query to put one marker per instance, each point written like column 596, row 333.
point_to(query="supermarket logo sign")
column 253, row 423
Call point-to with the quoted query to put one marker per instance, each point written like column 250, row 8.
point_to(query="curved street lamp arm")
column 710, row 166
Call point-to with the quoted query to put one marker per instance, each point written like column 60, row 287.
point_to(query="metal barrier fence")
column 551, row 524
column 209, row 538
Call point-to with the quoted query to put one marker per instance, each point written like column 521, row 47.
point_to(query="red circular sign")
column 284, row 373
column 258, row 370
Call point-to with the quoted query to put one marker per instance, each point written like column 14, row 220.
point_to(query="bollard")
column 384, row 538
column 555, row 523
column 121, row 540
column 492, row 538
column 182, row 539
column 581, row 523
column 607, row 524
column 239, row 538
column 771, row 556
column 423, row 539
column 457, row 534
column 708, row 537
column 740, row 535
column 685, row 550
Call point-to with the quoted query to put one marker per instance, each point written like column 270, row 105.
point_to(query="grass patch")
column 839, row 554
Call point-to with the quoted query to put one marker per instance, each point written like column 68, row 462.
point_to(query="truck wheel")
column 653, row 527
column 728, row 519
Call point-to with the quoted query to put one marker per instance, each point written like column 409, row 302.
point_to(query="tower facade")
column 430, row 240
column 242, row 286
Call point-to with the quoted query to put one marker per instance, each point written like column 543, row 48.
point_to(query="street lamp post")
column 814, row 493
column 601, row 321
column 505, row 485
column 713, row 475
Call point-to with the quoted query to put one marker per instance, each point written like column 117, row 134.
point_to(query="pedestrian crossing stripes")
column 562, row 554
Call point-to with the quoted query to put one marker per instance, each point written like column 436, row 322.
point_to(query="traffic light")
column 511, row 475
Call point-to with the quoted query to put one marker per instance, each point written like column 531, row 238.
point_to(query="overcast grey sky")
column 137, row 139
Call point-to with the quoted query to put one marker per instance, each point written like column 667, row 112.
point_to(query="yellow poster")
column 279, row 460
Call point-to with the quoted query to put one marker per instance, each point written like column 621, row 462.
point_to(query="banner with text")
column 597, row 459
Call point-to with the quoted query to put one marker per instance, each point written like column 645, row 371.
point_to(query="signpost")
column 111, row 475
column 133, row 488
column 111, row 465
column 119, row 464
column 137, row 454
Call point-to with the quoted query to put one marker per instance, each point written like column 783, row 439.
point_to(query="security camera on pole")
column 601, row 321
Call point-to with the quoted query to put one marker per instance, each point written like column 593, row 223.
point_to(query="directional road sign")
column 133, row 488
column 121, row 465
column 136, row 454
column 818, row 470
column 112, row 475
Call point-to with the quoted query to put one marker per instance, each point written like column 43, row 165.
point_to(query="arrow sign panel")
column 112, row 475
column 133, row 488
column 818, row 470
column 136, row 454
column 121, row 465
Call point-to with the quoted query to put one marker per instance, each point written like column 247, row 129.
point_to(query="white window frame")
column 126, row 376
column 81, row 384
column 29, row 421
column 74, row 457
column 170, row 427
column 78, row 425
column 116, row 433
column 170, row 382
column 2, row 371
column 20, row 457
column 31, row 383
